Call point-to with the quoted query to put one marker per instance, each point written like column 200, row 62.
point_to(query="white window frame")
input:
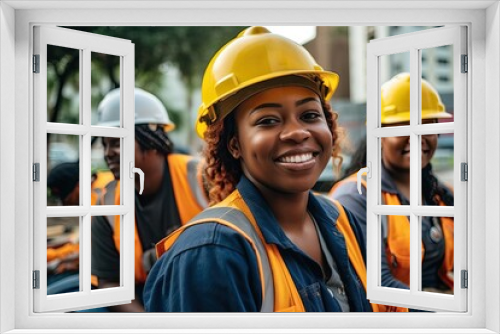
column 16, row 21
column 413, row 44
column 85, row 43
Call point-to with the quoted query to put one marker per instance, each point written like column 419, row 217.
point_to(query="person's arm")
column 210, row 268
column 347, row 194
column 106, row 262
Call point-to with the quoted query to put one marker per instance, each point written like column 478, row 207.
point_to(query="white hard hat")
column 148, row 110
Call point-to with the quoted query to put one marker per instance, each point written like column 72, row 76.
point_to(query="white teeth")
column 297, row 158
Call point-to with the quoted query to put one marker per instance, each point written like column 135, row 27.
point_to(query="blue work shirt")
column 213, row 268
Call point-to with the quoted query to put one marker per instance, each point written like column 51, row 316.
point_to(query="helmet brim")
column 330, row 80
column 405, row 116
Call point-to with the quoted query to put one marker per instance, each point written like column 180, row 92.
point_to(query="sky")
column 299, row 34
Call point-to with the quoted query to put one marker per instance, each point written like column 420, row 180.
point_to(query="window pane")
column 105, row 248
column 395, row 89
column 105, row 155
column 395, row 170
column 63, row 85
column 437, row 84
column 105, row 77
column 437, row 169
column 63, row 257
column 396, row 247
column 63, row 169
column 437, row 264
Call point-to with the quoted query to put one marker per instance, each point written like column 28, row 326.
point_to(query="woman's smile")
column 298, row 161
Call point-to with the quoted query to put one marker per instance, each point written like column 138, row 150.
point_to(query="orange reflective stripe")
column 286, row 295
column 185, row 199
column 140, row 274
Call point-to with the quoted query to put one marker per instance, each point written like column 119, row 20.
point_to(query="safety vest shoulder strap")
column 95, row 194
column 110, row 196
column 235, row 219
column 351, row 178
column 186, row 182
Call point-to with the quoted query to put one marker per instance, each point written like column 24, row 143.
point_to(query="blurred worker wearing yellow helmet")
column 173, row 192
column 437, row 233
column 268, row 243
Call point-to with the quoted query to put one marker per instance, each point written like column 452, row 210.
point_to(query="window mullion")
column 415, row 244
column 85, row 170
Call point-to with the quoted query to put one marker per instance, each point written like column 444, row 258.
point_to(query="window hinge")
column 36, row 63
column 465, row 64
column 36, row 172
column 36, row 279
column 465, row 279
column 464, row 171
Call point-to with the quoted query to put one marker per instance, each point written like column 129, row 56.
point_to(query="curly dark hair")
column 223, row 171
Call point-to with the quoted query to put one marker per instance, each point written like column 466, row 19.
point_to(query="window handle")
column 362, row 171
column 133, row 170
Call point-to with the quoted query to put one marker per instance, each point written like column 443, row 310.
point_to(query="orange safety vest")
column 285, row 297
column 398, row 239
column 190, row 198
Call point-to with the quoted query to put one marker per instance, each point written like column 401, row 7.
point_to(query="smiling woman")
column 268, row 243
column 293, row 115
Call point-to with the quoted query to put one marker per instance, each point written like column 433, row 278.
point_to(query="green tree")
column 190, row 48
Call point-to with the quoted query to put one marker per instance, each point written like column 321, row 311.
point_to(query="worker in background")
column 173, row 192
column 437, row 233
column 268, row 243
column 64, row 183
column 63, row 250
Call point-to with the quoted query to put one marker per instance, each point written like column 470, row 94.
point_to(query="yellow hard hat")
column 254, row 56
column 395, row 101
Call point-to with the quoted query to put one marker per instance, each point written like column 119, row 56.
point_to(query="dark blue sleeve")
column 210, row 268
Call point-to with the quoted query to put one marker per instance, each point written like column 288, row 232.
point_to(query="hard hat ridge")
column 148, row 110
